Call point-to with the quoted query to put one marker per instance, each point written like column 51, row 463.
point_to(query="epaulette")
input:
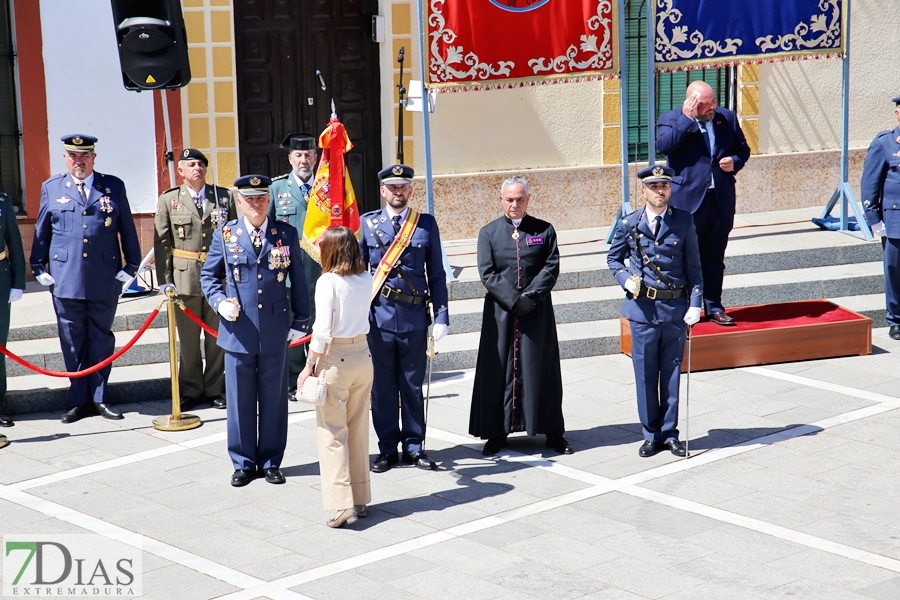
column 280, row 177
column 371, row 213
column 170, row 190
column 883, row 133
column 55, row 177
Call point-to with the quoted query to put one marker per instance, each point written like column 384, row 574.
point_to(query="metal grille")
column 669, row 86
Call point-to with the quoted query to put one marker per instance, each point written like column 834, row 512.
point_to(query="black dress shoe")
column 108, row 412
column 720, row 318
column 649, row 448
column 188, row 403
column 384, row 462
column 5, row 421
column 242, row 477
column 420, row 460
column 560, row 444
column 676, row 448
column 292, row 393
column 77, row 413
column 894, row 332
column 217, row 401
column 273, row 475
column 493, row 445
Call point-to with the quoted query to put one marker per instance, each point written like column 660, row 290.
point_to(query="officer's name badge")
column 63, row 200
column 534, row 240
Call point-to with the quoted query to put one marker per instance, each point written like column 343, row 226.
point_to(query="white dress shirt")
column 342, row 308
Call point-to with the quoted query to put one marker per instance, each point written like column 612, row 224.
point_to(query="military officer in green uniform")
column 289, row 194
column 12, row 282
column 186, row 217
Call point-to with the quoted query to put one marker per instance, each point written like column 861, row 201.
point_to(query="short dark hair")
column 340, row 253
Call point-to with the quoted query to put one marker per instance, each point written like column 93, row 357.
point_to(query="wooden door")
column 279, row 45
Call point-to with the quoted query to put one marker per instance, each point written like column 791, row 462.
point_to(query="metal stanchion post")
column 176, row 421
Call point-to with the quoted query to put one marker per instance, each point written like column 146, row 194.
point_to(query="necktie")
column 656, row 227
column 199, row 200
column 256, row 236
column 396, row 221
column 705, row 131
column 82, row 192
column 306, row 189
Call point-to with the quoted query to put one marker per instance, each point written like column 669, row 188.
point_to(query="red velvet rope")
column 193, row 317
column 89, row 370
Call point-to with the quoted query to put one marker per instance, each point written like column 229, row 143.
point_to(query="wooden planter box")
column 774, row 333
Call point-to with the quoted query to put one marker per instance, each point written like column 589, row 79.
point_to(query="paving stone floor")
column 792, row 491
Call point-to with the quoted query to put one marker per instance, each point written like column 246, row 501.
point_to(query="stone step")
column 578, row 305
column 149, row 382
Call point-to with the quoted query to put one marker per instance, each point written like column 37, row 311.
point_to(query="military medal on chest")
column 105, row 204
column 107, row 222
column 279, row 258
column 256, row 237
column 217, row 216
column 515, row 233
column 226, row 234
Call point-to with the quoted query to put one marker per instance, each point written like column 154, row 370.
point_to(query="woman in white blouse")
column 343, row 296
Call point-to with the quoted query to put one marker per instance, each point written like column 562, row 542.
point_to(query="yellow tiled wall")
column 612, row 121
column 208, row 102
column 748, row 104
column 401, row 25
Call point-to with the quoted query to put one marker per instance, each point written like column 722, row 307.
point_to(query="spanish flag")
column 332, row 202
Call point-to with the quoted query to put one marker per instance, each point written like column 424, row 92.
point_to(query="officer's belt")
column 3, row 255
column 655, row 294
column 392, row 255
column 392, row 294
column 198, row 256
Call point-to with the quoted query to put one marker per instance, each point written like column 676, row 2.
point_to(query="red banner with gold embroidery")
column 483, row 44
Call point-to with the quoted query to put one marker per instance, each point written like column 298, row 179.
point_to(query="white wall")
column 85, row 95
column 800, row 102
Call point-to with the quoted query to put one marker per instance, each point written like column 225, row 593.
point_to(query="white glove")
column 228, row 310
column 878, row 229
column 692, row 315
column 45, row 279
column 439, row 331
column 629, row 286
column 123, row 276
column 166, row 286
column 14, row 295
column 294, row 335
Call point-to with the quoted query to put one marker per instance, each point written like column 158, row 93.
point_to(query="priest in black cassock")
column 518, row 381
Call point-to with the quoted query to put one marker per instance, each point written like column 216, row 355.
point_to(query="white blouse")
column 346, row 300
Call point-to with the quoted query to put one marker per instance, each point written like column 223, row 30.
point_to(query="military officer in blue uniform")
column 12, row 283
column 289, row 195
column 254, row 256
column 399, row 320
column 880, row 189
column 83, row 219
column 664, row 285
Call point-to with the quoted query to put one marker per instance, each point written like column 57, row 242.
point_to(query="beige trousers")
column 343, row 424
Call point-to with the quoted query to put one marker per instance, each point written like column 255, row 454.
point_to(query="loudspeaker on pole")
column 152, row 42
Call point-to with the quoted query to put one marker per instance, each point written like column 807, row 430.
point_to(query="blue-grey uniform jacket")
column 880, row 183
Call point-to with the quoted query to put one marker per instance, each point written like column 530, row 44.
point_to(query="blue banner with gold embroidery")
column 694, row 34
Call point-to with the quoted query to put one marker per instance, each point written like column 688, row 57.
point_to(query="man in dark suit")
column 255, row 256
column 706, row 148
column 664, row 285
column 399, row 317
column 880, row 189
column 12, row 283
column 83, row 219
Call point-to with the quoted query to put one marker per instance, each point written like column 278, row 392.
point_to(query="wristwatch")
column 310, row 361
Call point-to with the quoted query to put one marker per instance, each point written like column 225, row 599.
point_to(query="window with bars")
column 10, row 134
column 670, row 87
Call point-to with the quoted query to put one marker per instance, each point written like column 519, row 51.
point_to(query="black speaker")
column 152, row 42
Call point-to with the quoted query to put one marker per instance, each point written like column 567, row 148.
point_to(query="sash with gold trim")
column 392, row 255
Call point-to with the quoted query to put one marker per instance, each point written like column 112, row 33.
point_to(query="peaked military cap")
column 896, row 100
column 654, row 173
column 192, row 154
column 79, row 142
column 299, row 141
column 253, row 185
column 396, row 174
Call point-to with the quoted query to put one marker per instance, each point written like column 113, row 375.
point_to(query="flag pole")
column 426, row 114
